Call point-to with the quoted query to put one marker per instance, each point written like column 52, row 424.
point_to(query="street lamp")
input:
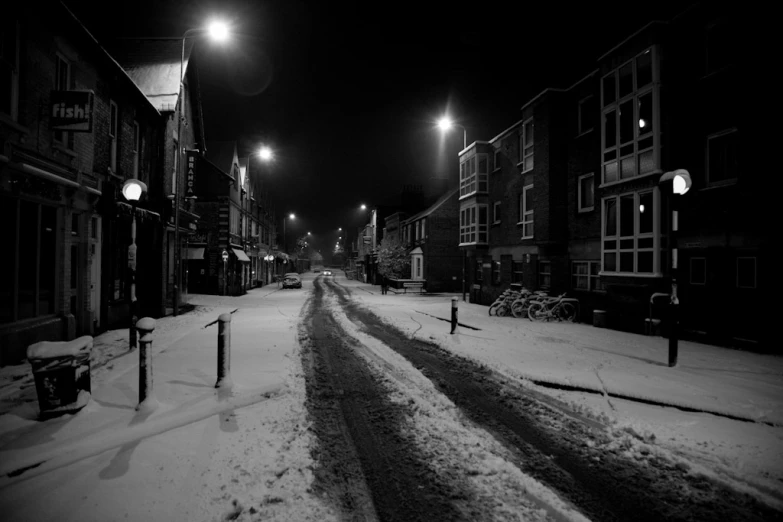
column 445, row 124
column 132, row 190
column 217, row 31
column 373, row 225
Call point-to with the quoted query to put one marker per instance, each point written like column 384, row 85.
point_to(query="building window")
column 586, row 114
column 417, row 236
column 584, row 276
column 474, row 175
column 629, row 131
column 9, row 65
column 113, row 134
column 496, row 159
column 720, row 47
column 136, row 148
column 630, row 242
column 418, row 268
column 423, row 233
column 473, row 224
column 698, row 271
column 517, row 272
column 526, row 145
column 479, row 270
column 586, row 193
column 496, row 272
column 722, row 158
column 27, row 278
column 62, row 82
column 526, row 212
column 496, row 212
column 746, row 272
column 544, row 274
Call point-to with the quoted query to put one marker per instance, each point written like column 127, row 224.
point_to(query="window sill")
column 656, row 172
column 585, row 210
column 722, row 184
column 523, row 238
column 7, row 121
column 495, row 223
column 496, row 169
column 585, row 132
column 630, row 274
column 520, row 165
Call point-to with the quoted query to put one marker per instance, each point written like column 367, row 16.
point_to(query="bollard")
column 224, row 352
column 454, row 302
column 147, row 400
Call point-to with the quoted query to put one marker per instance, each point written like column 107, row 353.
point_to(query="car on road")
column 292, row 280
column 327, row 272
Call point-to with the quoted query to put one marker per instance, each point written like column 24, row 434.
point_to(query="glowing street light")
column 266, row 153
column 219, row 32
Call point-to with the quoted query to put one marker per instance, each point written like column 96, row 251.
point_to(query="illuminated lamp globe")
column 133, row 189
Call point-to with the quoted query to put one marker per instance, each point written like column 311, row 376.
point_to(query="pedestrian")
column 384, row 285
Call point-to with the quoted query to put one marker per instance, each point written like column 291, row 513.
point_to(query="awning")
column 241, row 255
column 196, row 253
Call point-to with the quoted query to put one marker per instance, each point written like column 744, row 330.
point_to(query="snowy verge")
column 28, row 466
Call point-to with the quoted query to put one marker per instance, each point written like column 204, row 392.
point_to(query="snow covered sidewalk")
column 110, row 462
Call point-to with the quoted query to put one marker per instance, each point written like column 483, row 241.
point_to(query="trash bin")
column 61, row 371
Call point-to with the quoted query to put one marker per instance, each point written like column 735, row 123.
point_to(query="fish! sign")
column 72, row 111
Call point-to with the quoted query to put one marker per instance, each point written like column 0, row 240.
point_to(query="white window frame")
column 526, row 214
column 579, row 192
column 526, row 140
column 12, row 63
column 617, row 249
column 113, row 134
column 423, row 231
column 592, row 277
column 62, row 138
column 496, row 159
column 472, row 178
column 755, row 272
column 471, row 230
column 496, row 212
column 690, row 275
column 639, row 146
column 136, row 148
column 417, row 234
column 715, row 136
column 580, row 116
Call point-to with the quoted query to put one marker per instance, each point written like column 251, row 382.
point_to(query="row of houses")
column 78, row 119
column 568, row 199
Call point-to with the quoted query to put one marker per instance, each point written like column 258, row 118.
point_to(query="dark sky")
column 347, row 93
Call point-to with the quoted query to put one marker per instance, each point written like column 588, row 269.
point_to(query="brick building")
column 568, row 199
column 60, row 178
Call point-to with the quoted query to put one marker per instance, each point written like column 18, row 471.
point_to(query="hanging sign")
column 190, row 173
column 71, row 111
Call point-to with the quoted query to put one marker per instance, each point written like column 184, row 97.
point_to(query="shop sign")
column 190, row 173
column 71, row 111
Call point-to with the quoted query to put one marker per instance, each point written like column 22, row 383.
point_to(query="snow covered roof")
column 424, row 213
column 154, row 66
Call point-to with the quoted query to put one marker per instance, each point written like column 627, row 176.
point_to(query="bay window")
column 629, row 128
column 474, row 224
column 474, row 174
column 526, row 145
column 630, row 233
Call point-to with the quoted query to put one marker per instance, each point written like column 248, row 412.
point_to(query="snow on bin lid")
column 53, row 349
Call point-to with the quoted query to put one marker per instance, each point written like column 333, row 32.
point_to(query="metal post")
column 674, row 304
column 225, row 277
column 454, row 302
column 132, row 251
column 464, row 262
column 224, row 352
column 147, row 400
column 177, row 253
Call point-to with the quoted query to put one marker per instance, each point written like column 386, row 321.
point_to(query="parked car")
column 292, row 280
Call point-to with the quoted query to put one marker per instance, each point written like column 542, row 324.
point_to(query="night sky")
column 347, row 93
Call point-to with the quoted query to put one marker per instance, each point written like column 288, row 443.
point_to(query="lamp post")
column 674, row 184
column 373, row 227
column 132, row 190
column 218, row 31
column 445, row 124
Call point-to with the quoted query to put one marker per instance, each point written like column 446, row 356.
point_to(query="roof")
column 154, row 65
column 221, row 154
column 424, row 213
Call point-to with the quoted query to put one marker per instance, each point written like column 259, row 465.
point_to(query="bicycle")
column 520, row 306
column 560, row 308
column 501, row 307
